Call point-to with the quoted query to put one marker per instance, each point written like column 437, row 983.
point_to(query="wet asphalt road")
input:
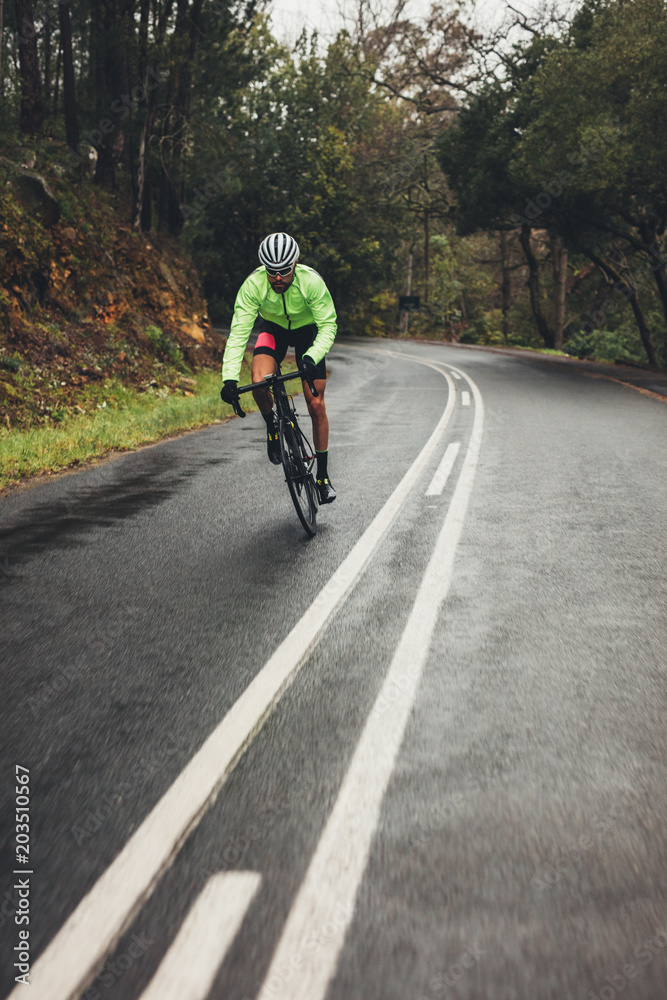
column 520, row 850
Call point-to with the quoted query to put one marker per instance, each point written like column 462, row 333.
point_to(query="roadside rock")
column 168, row 277
column 35, row 196
column 194, row 331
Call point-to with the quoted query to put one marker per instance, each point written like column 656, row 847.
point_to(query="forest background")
column 513, row 177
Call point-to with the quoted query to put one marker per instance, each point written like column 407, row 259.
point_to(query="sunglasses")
column 279, row 272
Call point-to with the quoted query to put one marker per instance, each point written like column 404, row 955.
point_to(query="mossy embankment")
column 105, row 341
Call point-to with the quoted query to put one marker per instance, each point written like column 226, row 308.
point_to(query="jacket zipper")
column 289, row 321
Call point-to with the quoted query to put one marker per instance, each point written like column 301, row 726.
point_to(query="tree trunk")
column 146, row 221
column 655, row 262
column 404, row 321
column 96, row 48
column 506, row 285
column 109, row 53
column 142, row 218
column 534, row 286
column 71, row 117
column 427, row 253
column 657, row 265
column 142, row 211
column 622, row 286
column 2, row 28
column 427, row 235
column 143, row 39
column 47, row 58
column 32, row 107
column 187, row 21
column 56, row 79
column 559, row 264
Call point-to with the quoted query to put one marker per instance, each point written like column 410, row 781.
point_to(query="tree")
column 423, row 66
column 303, row 149
column 593, row 106
column 422, row 61
column 476, row 152
column 32, row 107
column 110, row 54
column 183, row 125
column 71, row 117
column 2, row 45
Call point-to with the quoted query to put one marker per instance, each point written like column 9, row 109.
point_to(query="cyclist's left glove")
column 228, row 393
column 308, row 367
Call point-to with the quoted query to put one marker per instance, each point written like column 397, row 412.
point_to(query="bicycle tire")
column 299, row 478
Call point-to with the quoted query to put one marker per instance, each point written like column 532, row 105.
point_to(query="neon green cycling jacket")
column 307, row 300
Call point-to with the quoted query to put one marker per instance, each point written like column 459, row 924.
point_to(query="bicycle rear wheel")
column 296, row 463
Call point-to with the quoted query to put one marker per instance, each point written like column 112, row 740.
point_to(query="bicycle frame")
column 296, row 452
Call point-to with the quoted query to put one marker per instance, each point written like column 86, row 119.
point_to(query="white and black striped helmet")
column 277, row 251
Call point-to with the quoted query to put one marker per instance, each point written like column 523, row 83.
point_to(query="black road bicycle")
column 296, row 451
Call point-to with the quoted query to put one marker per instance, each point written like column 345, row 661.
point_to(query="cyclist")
column 296, row 310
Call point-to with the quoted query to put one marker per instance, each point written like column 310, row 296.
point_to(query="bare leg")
column 318, row 414
column 263, row 364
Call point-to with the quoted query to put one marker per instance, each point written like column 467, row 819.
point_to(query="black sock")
column 322, row 464
column 269, row 419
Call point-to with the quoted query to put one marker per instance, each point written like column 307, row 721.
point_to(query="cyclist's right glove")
column 228, row 393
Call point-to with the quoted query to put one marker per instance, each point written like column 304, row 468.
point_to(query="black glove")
column 308, row 367
column 228, row 393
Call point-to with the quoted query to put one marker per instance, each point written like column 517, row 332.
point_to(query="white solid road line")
column 442, row 473
column 81, row 945
column 188, row 969
column 307, row 954
column 465, row 399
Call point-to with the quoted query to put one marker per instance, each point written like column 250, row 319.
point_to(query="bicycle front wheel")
column 298, row 476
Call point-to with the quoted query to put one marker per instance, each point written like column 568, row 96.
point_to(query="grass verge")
column 140, row 418
column 539, row 350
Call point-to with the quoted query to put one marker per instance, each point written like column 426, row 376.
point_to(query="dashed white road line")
column 441, row 476
column 297, row 972
column 456, row 375
column 81, row 945
column 465, row 399
column 188, row 969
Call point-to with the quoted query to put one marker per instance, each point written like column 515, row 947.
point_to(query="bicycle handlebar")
column 268, row 382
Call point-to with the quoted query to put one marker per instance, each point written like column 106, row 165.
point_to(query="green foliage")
column 163, row 344
column 377, row 315
column 606, row 345
column 485, row 329
column 11, row 363
column 595, row 104
column 621, row 342
column 475, row 152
